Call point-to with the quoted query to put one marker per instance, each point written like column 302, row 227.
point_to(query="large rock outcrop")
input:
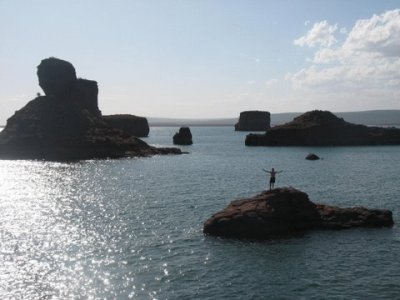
column 183, row 137
column 285, row 212
column 253, row 121
column 137, row 126
column 322, row 128
column 66, row 124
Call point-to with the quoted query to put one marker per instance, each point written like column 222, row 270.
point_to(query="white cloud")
column 365, row 65
column 320, row 34
column 379, row 34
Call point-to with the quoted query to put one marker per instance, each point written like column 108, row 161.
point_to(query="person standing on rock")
column 272, row 177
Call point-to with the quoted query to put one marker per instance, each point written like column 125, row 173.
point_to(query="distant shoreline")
column 385, row 118
column 369, row 118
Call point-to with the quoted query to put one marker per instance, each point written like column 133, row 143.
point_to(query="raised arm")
column 266, row 171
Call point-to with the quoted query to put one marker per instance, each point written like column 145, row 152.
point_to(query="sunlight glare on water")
column 132, row 228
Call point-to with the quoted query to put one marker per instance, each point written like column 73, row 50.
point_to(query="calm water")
column 132, row 228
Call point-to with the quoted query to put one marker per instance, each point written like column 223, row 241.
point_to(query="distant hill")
column 191, row 122
column 370, row 117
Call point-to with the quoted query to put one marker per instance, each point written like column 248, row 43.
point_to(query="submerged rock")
column 66, row 124
column 312, row 156
column 183, row 137
column 287, row 211
column 253, row 121
column 322, row 128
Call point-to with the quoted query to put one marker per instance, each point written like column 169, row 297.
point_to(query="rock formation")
column 183, row 137
column 134, row 125
column 322, row 128
column 285, row 212
column 66, row 124
column 312, row 156
column 58, row 79
column 253, row 121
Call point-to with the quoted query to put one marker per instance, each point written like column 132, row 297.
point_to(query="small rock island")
column 312, row 156
column 285, row 212
column 183, row 137
column 66, row 123
column 253, row 120
column 323, row 128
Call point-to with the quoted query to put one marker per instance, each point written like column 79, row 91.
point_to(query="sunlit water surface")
column 132, row 228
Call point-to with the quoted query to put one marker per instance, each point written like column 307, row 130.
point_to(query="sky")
column 208, row 58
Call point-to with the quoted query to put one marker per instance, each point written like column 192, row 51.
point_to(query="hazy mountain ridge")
column 370, row 117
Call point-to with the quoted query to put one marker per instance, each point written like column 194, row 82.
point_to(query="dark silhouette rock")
column 56, row 77
column 285, row 212
column 183, row 137
column 66, row 124
column 312, row 156
column 322, row 128
column 253, row 121
column 134, row 125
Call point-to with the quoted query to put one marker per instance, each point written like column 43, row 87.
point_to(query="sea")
column 132, row 228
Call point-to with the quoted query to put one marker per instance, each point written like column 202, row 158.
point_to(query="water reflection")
column 50, row 230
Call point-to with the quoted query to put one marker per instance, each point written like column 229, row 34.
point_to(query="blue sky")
column 208, row 59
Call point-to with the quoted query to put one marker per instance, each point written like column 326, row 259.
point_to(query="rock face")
column 66, row 124
column 134, row 125
column 253, row 121
column 58, row 79
column 312, row 156
column 183, row 137
column 285, row 212
column 322, row 128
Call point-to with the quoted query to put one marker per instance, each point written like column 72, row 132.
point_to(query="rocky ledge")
column 135, row 125
column 286, row 211
column 323, row 128
column 66, row 123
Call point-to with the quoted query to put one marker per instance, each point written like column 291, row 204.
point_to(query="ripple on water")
column 132, row 228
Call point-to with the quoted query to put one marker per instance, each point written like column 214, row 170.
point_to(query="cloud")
column 271, row 82
column 367, row 62
column 379, row 34
column 320, row 34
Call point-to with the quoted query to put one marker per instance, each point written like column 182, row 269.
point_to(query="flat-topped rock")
column 253, row 120
column 66, row 124
column 287, row 211
column 322, row 128
column 135, row 125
